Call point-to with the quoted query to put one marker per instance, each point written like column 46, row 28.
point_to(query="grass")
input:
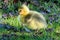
column 45, row 35
column 51, row 34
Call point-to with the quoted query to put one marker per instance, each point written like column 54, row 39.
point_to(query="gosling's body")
column 33, row 20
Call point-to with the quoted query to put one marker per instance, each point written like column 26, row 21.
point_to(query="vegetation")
column 10, row 28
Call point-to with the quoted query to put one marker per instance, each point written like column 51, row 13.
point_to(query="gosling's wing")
column 37, row 16
column 39, row 20
column 27, row 17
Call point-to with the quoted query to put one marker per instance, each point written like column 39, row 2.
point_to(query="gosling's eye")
column 20, row 10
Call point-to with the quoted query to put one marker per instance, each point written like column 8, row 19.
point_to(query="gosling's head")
column 24, row 10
